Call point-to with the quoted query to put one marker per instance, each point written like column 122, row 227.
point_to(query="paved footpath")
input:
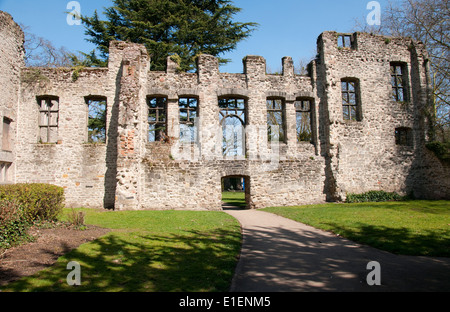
column 281, row 255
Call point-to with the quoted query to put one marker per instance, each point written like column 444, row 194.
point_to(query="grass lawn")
column 407, row 227
column 149, row 251
column 234, row 198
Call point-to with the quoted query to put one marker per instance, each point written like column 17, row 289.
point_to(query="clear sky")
column 286, row 27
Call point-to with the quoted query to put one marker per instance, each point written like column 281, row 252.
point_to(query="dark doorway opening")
column 235, row 192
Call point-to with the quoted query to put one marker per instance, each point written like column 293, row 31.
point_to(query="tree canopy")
column 186, row 28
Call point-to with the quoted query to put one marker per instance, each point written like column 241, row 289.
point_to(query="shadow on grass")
column 137, row 262
column 434, row 243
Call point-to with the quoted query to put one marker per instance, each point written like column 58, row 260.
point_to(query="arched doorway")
column 236, row 192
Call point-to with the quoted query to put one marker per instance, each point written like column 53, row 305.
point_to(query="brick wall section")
column 128, row 172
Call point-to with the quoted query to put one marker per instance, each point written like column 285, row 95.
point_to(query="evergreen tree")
column 186, row 28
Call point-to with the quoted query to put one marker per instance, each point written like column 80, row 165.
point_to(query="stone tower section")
column 373, row 92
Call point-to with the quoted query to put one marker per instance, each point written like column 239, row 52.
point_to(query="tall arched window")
column 232, row 117
column 188, row 115
column 303, row 115
column 157, row 118
column 275, row 120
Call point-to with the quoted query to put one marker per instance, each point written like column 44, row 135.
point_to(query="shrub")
column 373, row 196
column 77, row 219
column 37, row 201
column 13, row 224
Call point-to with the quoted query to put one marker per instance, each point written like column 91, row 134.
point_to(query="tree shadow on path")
column 293, row 259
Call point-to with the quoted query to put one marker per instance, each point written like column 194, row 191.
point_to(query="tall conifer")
column 168, row 27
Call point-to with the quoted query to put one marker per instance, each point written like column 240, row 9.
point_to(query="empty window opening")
column 275, row 120
column 48, row 119
column 398, row 82
column 235, row 192
column 345, row 41
column 350, row 102
column 232, row 117
column 6, row 135
column 157, row 118
column 403, row 136
column 96, row 119
column 304, row 120
column 189, row 114
column 5, row 176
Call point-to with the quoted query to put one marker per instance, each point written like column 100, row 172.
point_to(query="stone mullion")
column 290, row 123
column 173, row 118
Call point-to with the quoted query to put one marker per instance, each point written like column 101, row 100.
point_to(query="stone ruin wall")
column 147, row 174
column 127, row 172
column 160, row 180
column 11, row 61
column 72, row 163
column 363, row 154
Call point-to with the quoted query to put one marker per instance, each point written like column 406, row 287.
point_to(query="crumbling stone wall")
column 363, row 155
column 188, row 176
column 11, row 61
column 129, row 172
column 71, row 162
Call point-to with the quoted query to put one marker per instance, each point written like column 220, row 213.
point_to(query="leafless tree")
column 302, row 66
column 40, row 52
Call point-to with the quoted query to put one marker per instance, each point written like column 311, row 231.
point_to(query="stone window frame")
column 403, row 66
column 5, row 172
column 281, row 110
column 6, row 134
column 50, row 115
column 403, row 137
column 311, row 117
column 97, row 98
column 234, row 112
column 348, row 101
column 345, row 41
column 191, row 121
column 157, row 124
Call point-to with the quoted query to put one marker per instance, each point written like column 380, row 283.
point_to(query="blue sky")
column 287, row 27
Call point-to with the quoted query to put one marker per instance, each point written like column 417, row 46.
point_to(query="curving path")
column 281, row 255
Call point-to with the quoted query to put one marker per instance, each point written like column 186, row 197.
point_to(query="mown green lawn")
column 187, row 251
column 405, row 227
column 149, row 251
column 234, row 198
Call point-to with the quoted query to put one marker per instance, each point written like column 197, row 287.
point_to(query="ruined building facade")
column 355, row 123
